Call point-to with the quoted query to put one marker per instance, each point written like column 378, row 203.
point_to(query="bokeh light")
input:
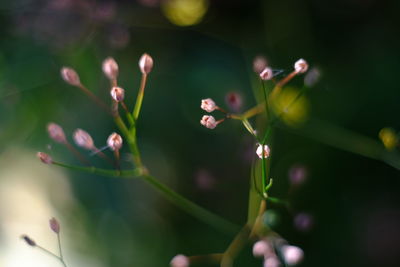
column 185, row 12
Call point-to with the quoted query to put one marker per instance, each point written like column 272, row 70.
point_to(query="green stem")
column 192, row 208
column 102, row 172
column 139, row 98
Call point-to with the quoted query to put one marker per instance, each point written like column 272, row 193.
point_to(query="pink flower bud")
column 46, row 159
column 208, row 105
column 70, row 76
column 259, row 64
column 261, row 248
column 29, row 240
column 179, row 261
column 234, row 101
column 301, row 66
column 262, row 153
column 209, row 122
column 110, row 68
column 271, row 262
column 83, row 139
column 292, row 254
column 114, row 141
column 145, row 64
column 56, row 133
column 117, row 93
column 54, row 225
column 266, row 74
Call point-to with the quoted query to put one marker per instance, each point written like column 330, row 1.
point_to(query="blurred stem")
column 235, row 247
column 192, row 208
column 95, row 99
column 139, row 98
column 52, row 254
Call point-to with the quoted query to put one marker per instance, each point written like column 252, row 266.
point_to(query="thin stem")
column 208, row 258
column 139, row 98
column 195, row 210
column 103, row 172
column 52, row 254
column 95, row 99
column 60, row 250
column 235, row 247
column 77, row 154
column 258, row 222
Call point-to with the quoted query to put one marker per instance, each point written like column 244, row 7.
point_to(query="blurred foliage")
column 354, row 199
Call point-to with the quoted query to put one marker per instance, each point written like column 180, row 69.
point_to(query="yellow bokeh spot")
column 292, row 107
column 389, row 138
column 185, row 12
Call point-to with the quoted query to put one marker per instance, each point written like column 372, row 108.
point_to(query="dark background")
column 354, row 200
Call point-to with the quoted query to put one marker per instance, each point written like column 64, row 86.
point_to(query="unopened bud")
column 234, row 101
column 263, row 151
column 208, row 105
column 54, row 225
column 266, row 74
column 56, row 133
column 208, row 122
column 261, row 248
column 83, row 139
column 292, row 254
column 179, row 261
column 301, row 66
column 114, row 141
column 29, row 240
column 145, row 64
column 117, row 93
column 46, row 159
column 259, row 64
column 70, row 76
column 110, row 68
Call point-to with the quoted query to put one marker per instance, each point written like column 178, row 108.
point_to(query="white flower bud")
column 301, row 66
column 114, row 141
column 145, row 63
column 262, row 153
column 208, row 105
column 261, row 248
column 180, row 261
column 70, row 76
column 56, row 133
column 83, row 139
column 46, row 159
column 292, row 254
column 117, row 93
column 208, row 122
column 110, row 68
column 271, row 262
column 266, row 74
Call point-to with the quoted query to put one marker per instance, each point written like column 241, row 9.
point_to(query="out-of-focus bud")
column 259, row 64
column 70, row 76
column 261, row 248
column 179, row 261
column 303, row 222
column 266, row 74
column 114, row 141
column 83, row 139
column 234, row 101
column 54, row 225
column 208, row 122
column 117, row 93
column 312, row 77
column 297, row 174
column 56, row 133
column 389, row 138
column 208, row 105
column 301, row 66
column 29, row 240
column 271, row 262
column 46, row 159
column 145, row 63
column 110, row 68
column 292, row 254
column 263, row 151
